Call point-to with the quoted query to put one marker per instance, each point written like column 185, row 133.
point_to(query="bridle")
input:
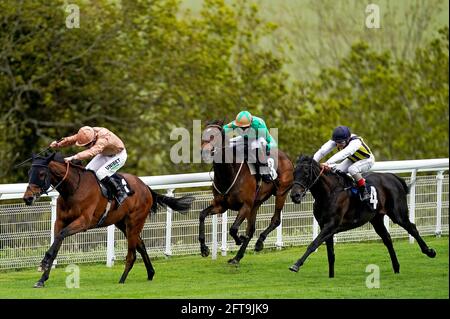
column 307, row 188
column 47, row 180
column 212, row 152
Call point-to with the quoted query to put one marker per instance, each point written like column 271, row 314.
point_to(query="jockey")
column 108, row 152
column 252, row 126
column 355, row 155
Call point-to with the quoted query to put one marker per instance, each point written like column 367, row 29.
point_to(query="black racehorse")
column 336, row 209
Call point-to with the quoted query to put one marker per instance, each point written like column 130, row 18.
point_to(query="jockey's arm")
column 350, row 149
column 228, row 127
column 324, row 150
column 97, row 148
column 67, row 141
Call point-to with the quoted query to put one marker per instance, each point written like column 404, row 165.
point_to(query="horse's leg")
column 327, row 231
column 133, row 239
column 331, row 258
column 210, row 210
column 412, row 230
column 274, row 222
column 58, row 226
column 74, row 227
column 148, row 264
column 251, row 225
column 237, row 222
column 378, row 225
column 141, row 249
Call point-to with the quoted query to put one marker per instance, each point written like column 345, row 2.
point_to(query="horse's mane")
column 342, row 177
column 59, row 157
column 215, row 122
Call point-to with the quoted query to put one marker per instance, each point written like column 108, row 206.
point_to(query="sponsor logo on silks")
column 113, row 164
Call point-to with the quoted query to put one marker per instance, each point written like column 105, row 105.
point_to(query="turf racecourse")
column 260, row 276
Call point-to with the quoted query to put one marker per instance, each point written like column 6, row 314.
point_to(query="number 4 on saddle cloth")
column 350, row 184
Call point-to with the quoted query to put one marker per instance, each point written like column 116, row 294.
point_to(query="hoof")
column 238, row 241
column 150, row 277
column 259, row 246
column 39, row 284
column 233, row 261
column 294, row 268
column 431, row 253
column 205, row 251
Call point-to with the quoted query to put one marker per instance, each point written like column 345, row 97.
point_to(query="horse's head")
column 38, row 178
column 306, row 174
column 212, row 139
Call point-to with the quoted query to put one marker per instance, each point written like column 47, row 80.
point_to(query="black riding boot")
column 120, row 193
column 265, row 175
column 364, row 194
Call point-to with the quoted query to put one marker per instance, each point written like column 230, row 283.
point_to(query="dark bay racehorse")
column 81, row 205
column 235, row 188
column 337, row 210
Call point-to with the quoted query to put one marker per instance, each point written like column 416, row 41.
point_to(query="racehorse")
column 337, row 209
column 237, row 189
column 81, row 206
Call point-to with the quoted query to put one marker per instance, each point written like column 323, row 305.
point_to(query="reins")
column 232, row 184
column 307, row 188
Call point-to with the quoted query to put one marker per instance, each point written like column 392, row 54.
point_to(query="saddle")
column 108, row 193
column 350, row 184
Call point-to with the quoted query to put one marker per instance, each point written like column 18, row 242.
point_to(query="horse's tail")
column 402, row 181
column 181, row 205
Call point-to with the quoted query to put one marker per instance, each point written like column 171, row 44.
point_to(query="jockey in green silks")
column 255, row 129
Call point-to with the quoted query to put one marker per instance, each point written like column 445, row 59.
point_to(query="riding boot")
column 364, row 193
column 120, row 193
column 264, row 172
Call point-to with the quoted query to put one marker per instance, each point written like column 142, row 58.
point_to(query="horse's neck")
column 322, row 188
column 225, row 172
column 58, row 172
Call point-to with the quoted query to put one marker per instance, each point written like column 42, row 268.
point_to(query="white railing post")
column 412, row 201
column 110, row 246
column 215, row 244
column 53, row 205
column 386, row 222
column 224, row 247
column 168, row 250
column 279, row 242
column 316, row 229
column 439, row 177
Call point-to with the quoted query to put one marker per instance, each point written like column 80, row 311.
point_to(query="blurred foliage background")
column 142, row 68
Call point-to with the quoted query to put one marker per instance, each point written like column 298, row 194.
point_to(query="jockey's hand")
column 54, row 144
column 69, row 159
column 326, row 167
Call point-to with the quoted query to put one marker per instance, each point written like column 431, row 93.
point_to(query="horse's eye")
column 41, row 175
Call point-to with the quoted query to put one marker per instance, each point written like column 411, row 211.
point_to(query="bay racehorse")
column 235, row 188
column 337, row 208
column 81, row 206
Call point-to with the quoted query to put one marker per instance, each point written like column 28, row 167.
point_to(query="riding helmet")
column 341, row 134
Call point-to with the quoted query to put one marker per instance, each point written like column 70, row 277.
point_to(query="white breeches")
column 356, row 169
column 104, row 165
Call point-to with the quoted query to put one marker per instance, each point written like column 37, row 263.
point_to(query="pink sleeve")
column 98, row 147
column 67, row 141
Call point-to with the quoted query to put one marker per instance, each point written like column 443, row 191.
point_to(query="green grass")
column 260, row 275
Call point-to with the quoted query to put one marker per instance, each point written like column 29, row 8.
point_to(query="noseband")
column 307, row 188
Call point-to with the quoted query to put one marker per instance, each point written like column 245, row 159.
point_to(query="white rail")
column 283, row 234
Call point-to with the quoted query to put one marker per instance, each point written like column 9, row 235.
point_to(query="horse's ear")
column 51, row 157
